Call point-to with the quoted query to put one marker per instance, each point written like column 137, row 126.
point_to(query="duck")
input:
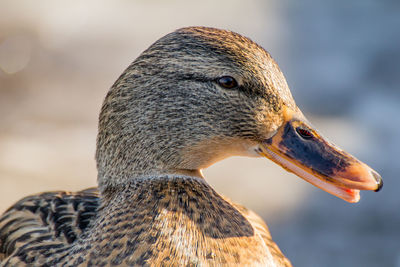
column 196, row 96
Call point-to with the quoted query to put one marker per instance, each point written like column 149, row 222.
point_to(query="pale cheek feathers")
column 268, row 123
column 207, row 152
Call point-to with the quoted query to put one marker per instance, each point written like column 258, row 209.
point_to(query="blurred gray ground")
column 341, row 59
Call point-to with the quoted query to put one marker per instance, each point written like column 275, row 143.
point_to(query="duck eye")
column 227, row 82
column 305, row 134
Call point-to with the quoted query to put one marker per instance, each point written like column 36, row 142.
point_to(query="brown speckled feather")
column 52, row 219
column 163, row 222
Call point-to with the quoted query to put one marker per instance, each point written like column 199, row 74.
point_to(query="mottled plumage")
column 168, row 221
column 45, row 222
column 167, row 117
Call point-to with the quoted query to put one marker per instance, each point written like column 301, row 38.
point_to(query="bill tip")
column 378, row 180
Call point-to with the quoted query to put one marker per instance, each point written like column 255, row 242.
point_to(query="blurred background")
column 341, row 60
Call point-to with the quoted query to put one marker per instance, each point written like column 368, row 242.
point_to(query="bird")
column 196, row 96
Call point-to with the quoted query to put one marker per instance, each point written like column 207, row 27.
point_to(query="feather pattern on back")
column 167, row 222
column 52, row 219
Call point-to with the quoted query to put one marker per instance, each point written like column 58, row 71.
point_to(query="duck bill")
column 300, row 149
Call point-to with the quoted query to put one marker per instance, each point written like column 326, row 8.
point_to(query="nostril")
column 378, row 180
column 304, row 133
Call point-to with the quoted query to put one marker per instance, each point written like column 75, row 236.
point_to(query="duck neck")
column 189, row 200
column 120, row 176
column 135, row 152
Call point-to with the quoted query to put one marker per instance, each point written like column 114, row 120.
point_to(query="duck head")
column 199, row 95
